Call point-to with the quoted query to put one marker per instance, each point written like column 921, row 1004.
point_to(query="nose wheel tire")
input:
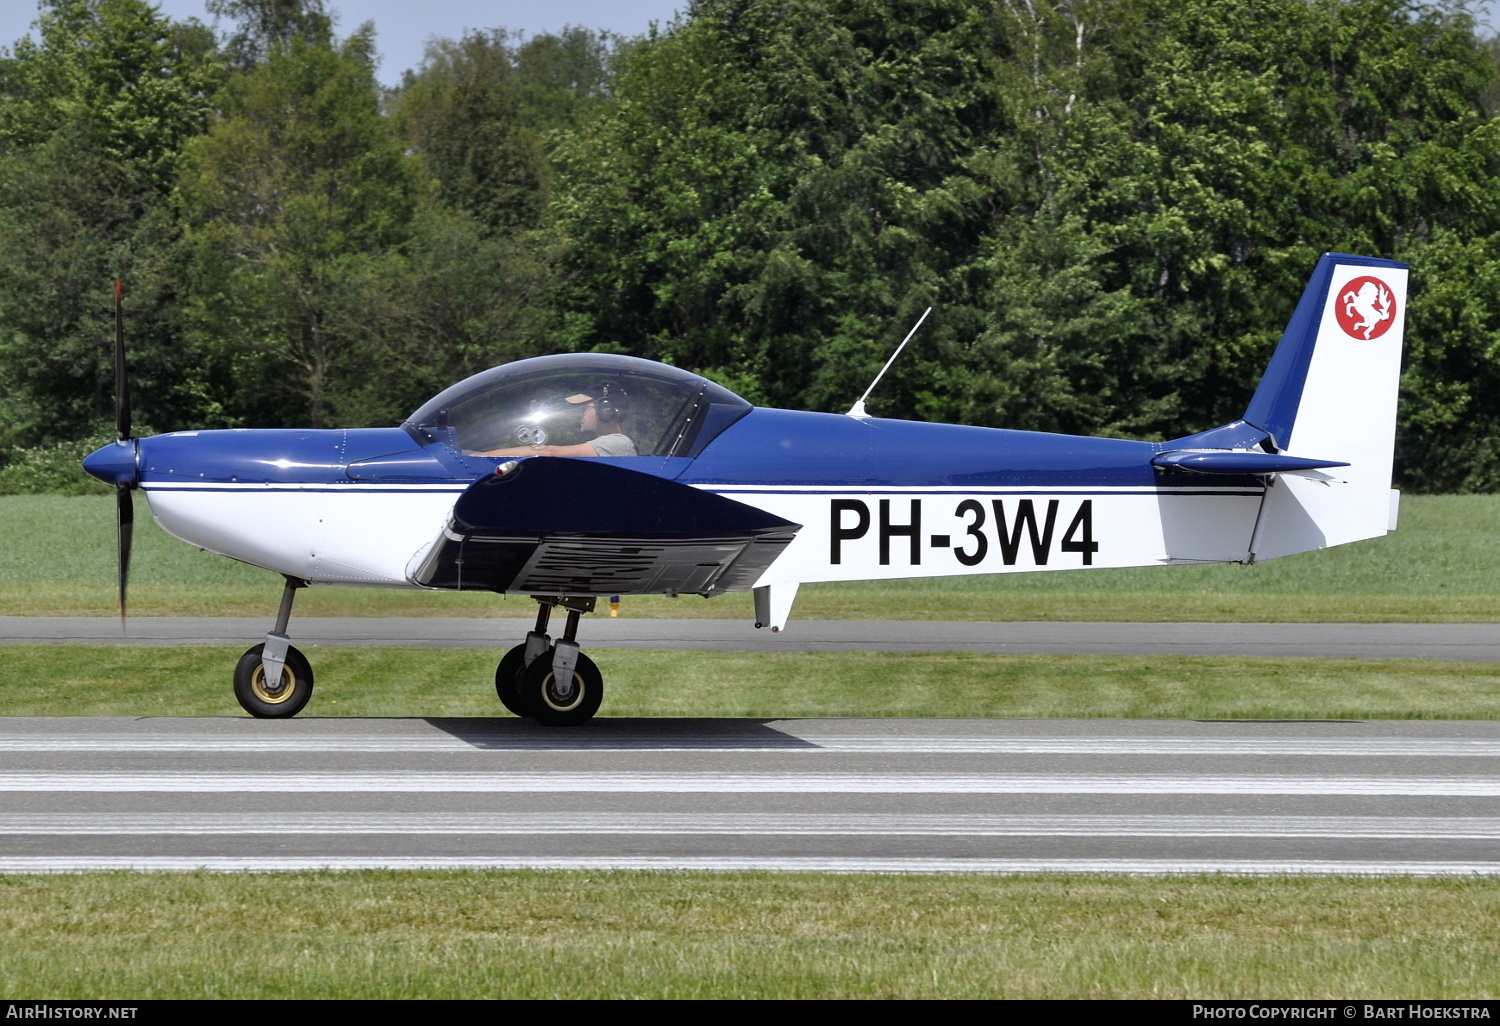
column 266, row 703
column 549, row 705
column 508, row 680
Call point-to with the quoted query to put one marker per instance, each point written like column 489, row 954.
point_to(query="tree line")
column 1113, row 206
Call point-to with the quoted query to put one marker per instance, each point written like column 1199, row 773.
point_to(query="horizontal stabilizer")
column 554, row 526
column 1238, row 461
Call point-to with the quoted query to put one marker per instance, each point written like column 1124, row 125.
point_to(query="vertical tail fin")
column 1329, row 393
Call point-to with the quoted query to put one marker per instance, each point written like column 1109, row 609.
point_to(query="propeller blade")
column 125, row 521
column 122, row 384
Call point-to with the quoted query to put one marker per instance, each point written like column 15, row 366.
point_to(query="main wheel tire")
column 261, row 702
column 508, row 680
column 540, row 697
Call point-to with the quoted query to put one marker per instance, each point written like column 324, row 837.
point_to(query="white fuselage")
column 373, row 535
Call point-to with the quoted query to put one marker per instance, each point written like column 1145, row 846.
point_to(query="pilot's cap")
column 611, row 392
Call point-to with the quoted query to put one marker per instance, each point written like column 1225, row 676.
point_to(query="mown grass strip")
column 743, row 935
column 58, row 560
column 105, row 680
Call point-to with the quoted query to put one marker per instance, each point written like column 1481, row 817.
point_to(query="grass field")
column 1438, row 567
column 743, row 935
column 107, row 680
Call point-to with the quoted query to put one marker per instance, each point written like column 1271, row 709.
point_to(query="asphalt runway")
column 1468, row 642
column 992, row 796
column 827, row 795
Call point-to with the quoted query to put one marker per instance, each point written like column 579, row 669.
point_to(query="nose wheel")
column 555, row 684
column 258, row 697
column 273, row 680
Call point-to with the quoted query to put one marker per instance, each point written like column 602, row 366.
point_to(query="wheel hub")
column 562, row 698
column 280, row 693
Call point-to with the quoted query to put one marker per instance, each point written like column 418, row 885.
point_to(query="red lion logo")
column 1366, row 309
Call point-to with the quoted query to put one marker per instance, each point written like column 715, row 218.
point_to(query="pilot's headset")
column 611, row 402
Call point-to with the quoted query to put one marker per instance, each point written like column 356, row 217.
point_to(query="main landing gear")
column 555, row 684
column 273, row 679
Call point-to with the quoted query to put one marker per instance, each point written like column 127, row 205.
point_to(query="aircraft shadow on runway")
column 507, row 733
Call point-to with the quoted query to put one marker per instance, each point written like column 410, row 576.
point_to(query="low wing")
column 550, row 526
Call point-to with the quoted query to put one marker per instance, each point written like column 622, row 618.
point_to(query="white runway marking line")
column 1448, row 828
column 984, row 866
column 1388, row 747
column 756, row 783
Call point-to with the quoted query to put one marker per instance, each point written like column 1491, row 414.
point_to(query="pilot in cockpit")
column 605, row 405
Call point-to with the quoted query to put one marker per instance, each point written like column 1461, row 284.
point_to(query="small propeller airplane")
column 571, row 477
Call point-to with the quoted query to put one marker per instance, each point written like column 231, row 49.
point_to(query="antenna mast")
column 858, row 409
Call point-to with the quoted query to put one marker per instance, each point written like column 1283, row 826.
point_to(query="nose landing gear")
column 274, row 680
column 555, row 684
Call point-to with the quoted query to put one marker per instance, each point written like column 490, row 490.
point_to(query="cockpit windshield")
column 663, row 410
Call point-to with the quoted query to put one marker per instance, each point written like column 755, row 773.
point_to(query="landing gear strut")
column 554, row 683
column 274, row 680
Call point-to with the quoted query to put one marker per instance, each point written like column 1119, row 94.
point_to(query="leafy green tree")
column 462, row 113
column 777, row 190
column 139, row 82
column 1355, row 126
column 454, row 300
column 1491, row 97
column 1202, row 168
column 564, row 78
column 269, row 25
column 658, row 205
column 1449, row 438
column 1114, row 204
column 93, row 118
column 291, row 202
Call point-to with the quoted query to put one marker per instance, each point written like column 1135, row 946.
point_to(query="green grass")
column 742, row 935
column 103, row 680
column 58, row 560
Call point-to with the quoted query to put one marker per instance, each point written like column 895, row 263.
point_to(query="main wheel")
column 541, row 697
column 261, row 701
column 508, row 680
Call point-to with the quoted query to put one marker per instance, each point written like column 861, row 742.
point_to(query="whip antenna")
column 858, row 409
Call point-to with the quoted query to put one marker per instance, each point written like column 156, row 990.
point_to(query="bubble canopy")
column 667, row 411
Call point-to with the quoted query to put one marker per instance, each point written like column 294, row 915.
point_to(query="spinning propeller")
column 124, row 503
